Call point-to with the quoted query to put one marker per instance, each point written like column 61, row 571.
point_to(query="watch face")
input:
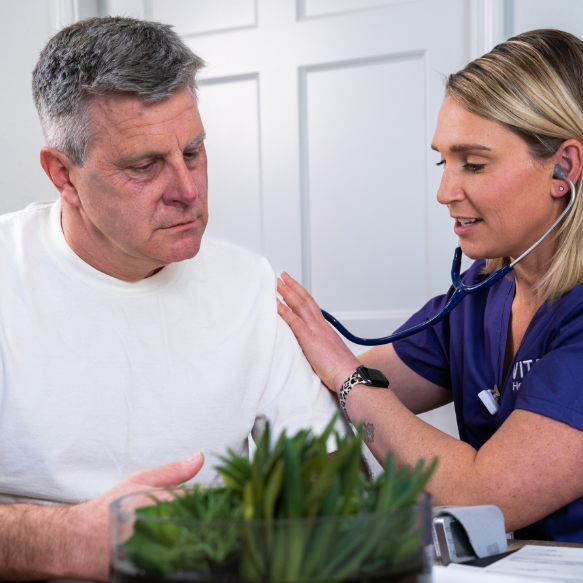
column 376, row 377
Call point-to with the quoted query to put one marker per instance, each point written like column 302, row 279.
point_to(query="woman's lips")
column 465, row 227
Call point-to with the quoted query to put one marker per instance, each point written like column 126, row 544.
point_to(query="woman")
column 508, row 118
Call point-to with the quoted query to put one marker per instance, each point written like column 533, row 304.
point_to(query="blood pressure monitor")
column 451, row 541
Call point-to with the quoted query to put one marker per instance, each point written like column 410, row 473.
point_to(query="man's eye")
column 191, row 155
column 442, row 163
column 145, row 167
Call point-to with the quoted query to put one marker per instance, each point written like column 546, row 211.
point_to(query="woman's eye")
column 474, row 167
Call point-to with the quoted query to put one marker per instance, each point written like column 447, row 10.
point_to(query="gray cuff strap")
column 484, row 526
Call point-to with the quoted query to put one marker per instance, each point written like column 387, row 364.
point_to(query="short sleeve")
column 426, row 352
column 553, row 385
column 295, row 397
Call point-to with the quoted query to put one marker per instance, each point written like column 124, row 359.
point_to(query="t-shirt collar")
column 94, row 278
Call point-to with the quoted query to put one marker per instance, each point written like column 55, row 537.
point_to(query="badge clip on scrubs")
column 460, row 292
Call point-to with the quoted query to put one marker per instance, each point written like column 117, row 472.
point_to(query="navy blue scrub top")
column 465, row 353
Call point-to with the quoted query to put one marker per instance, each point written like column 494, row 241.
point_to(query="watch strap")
column 354, row 379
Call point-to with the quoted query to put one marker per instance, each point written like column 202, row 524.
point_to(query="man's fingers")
column 172, row 474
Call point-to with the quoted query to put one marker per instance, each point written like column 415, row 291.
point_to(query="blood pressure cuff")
column 484, row 526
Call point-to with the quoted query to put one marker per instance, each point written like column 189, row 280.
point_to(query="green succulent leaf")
column 293, row 514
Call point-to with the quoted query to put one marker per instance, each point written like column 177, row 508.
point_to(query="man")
column 125, row 342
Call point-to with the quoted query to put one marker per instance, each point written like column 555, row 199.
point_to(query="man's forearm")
column 42, row 542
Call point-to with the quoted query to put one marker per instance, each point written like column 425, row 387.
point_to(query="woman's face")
column 498, row 194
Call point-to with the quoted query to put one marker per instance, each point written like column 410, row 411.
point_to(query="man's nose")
column 450, row 189
column 182, row 188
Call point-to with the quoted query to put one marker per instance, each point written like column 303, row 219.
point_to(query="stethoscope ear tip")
column 559, row 173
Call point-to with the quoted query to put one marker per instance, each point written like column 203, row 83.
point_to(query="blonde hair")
column 533, row 85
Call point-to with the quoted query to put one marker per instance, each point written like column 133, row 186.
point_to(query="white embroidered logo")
column 522, row 366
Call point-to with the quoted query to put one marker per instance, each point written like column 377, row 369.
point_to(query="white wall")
column 562, row 14
column 26, row 27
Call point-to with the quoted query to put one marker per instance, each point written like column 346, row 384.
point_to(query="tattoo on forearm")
column 368, row 433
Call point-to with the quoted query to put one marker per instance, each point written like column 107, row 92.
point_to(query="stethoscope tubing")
column 460, row 290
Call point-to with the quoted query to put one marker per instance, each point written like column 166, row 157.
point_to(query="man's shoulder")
column 23, row 228
column 29, row 214
column 230, row 258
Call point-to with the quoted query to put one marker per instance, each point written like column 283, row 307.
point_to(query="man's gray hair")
column 104, row 56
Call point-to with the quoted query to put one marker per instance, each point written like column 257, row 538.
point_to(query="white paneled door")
column 319, row 116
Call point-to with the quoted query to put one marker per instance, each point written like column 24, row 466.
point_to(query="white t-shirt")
column 100, row 377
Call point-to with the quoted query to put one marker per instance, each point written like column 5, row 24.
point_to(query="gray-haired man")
column 125, row 343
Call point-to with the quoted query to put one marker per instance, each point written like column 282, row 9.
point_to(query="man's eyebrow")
column 464, row 148
column 129, row 160
column 156, row 154
column 200, row 138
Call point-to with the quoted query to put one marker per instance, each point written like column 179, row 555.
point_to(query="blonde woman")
column 508, row 118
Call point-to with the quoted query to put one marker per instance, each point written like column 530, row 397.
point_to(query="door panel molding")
column 227, row 79
column 375, row 314
column 221, row 15
column 303, row 72
column 305, row 11
column 231, row 115
column 490, row 24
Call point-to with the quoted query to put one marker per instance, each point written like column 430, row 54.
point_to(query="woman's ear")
column 57, row 166
column 570, row 158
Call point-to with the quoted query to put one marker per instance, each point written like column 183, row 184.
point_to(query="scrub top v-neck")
column 465, row 353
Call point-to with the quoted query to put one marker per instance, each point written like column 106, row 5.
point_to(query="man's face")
column 142, row 191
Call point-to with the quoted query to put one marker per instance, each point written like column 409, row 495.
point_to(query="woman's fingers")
column 298, row 326
column 296, row 287
column 299, row 300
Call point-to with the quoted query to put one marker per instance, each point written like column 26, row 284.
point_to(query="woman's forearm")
column 390, row 427
column 528, row 468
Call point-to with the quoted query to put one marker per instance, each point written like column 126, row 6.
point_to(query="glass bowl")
column 359, row 548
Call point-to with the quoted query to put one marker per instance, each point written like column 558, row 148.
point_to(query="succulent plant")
column 292, row 513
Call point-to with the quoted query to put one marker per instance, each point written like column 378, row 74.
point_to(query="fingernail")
column 280, row 281
column 194, row 457
column 284, row 273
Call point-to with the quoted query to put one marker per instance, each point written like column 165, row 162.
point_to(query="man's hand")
column 39, row 542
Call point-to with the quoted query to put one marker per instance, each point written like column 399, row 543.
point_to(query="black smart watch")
column 371, row 377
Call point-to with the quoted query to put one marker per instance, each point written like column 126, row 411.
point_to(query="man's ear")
column 570, row 158
column 58, row 167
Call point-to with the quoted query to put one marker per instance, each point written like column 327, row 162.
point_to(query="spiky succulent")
column 291, row 514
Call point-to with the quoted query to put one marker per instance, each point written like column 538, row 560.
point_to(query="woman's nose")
column 450, row 190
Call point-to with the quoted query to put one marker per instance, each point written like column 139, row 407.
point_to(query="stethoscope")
column 461, row 290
